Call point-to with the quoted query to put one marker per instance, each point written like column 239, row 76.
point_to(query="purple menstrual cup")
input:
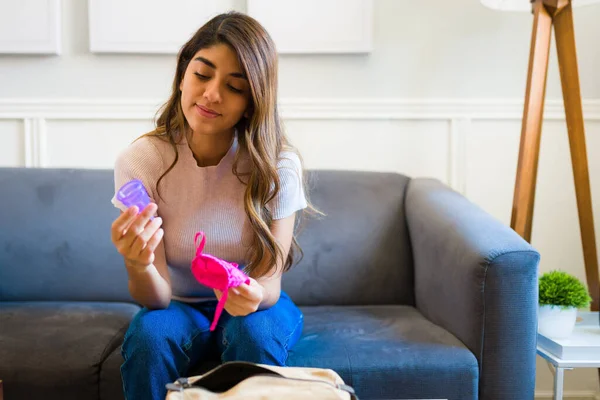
column 133, row 193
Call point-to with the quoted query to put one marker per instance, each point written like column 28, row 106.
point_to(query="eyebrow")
column 213, row 66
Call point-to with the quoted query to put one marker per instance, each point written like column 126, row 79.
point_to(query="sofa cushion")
column 387, row 352
column 59, row 346
column 384, row 352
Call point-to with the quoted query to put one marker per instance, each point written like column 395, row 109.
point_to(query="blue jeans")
column 162, row 345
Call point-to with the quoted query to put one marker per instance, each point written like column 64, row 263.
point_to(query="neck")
column 208, row 150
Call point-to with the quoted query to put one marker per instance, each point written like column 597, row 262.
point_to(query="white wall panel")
column 90, row 143
column 12, row 143
column 415, row 148
column 146, row 26
column 491, row 154
column 317, row 26
column 30, row 26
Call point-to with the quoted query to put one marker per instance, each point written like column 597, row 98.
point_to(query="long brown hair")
column 261, row 135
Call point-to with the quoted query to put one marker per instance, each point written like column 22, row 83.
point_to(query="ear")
column 248, row 112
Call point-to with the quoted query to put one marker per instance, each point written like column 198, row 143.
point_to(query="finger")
column 236, row 310
column 122, row 222
column 138, row 225
column 242, row 304
column 141, row 240
column 155, row 240
column 234, row 297
column 249, row 292
column 147, row 254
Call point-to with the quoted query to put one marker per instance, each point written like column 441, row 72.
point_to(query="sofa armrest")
column 477, row 278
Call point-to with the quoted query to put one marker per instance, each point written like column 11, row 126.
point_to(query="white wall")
column 440, row 95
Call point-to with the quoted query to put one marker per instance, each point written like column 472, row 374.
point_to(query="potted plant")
column 560, row 295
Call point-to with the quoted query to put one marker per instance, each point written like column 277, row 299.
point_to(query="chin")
column 198, row 125
column 206, row 129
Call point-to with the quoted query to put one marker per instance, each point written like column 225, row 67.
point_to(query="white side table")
column 561, row 365
column 583, row 345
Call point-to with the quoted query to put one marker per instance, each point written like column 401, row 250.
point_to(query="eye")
column 201, row 77
column 234, row 89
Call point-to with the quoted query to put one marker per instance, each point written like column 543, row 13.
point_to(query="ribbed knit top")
column 208, row 199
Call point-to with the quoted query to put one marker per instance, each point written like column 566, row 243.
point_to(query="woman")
column 217, row 162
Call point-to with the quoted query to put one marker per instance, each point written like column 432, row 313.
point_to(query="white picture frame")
column 30, row 27
column 316, row 26
column 146, row 26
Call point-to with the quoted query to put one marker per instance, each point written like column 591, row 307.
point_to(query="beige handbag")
column 242, row 380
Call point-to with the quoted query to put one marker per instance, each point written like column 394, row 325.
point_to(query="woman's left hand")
column 244, row 299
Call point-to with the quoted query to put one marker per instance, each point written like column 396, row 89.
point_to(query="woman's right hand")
column 135, row 236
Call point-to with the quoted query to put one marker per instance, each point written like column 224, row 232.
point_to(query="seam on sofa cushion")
column 351, row 383
column 410, row 240
column 111, row 346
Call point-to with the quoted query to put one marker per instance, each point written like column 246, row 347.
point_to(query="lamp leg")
column 569, row 76
column 524, row 194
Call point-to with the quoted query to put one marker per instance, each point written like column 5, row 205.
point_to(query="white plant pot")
column 556, row 322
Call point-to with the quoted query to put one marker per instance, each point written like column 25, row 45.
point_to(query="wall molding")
column 35, row 142
column 457, row 113
column 298, row 108
column 457, row 153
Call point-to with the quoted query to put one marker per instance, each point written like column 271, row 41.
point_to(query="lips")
column 206, row 112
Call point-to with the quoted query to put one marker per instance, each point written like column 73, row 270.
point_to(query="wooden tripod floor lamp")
column 557, row 14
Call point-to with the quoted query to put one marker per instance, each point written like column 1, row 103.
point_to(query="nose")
column 212, row 92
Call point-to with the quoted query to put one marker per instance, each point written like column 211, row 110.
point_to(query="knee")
column 144, row 334
column 254, row 338
column 251, row 331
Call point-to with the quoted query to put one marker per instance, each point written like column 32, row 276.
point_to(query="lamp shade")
column 525, row 5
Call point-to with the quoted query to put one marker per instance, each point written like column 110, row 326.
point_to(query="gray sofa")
column 408, row 289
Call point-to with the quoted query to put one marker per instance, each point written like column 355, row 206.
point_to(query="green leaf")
column 562, row 289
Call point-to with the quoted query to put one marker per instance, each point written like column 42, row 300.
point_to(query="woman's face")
column 215, row 93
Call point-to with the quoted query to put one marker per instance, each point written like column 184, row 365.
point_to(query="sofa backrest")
column 55, row 236
column 359, row 253
column 55, row 239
